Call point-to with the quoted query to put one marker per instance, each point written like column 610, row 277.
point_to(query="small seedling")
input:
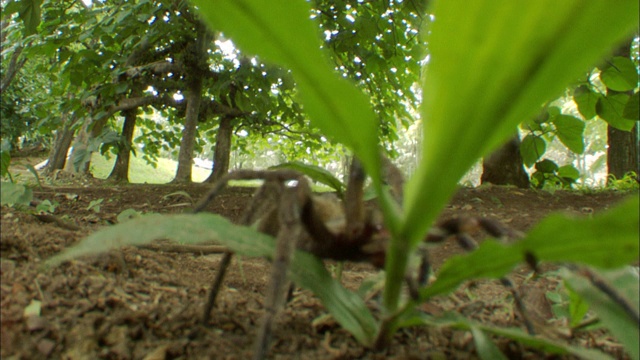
column 95, row 205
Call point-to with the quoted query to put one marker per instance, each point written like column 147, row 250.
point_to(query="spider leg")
column 459, row 228
column 354, row 200
column 293, row 199
column 270, row 189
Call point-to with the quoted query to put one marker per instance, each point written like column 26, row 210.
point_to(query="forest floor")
column 139, row 303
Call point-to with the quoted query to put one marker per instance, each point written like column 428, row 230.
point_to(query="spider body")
column 347, row 229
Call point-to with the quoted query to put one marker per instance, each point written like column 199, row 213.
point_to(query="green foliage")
column 28, row 11
column 630, row 181
column 15, row 194
column 47, row 206
column 548, row 173
column 95, row 205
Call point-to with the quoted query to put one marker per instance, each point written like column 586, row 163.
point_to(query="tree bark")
column 622, row 149
column 120, row 172
column 12, row 69
column 193, row 98
column 504, row 166
column 58, row 155
column 622, row 152
column 222, row 152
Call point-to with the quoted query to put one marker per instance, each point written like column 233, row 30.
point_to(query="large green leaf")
column 493, row 64
column 620, row 75
column 532, row 148
column 283, row 32
column 570, row 131
column 346, row 307
column 611, row 108
column 632, row 108
column 586, row 101
column 505, row 60
column 608, row 240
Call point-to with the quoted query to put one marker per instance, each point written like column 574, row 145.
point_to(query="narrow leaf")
column 316, row 173
column 346, row 307
column 456, row 321
column 333, row 103
column 607, row 240
column 486, row 349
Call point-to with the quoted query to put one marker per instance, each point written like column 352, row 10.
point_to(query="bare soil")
column 147, row 304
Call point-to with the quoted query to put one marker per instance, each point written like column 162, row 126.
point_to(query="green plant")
column 47, row 206
column 630, row 181
column 95, row 205
column 492, row 63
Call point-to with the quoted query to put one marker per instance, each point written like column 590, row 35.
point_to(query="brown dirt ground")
column 149, row 305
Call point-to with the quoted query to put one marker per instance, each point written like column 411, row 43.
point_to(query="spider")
column 325, row 226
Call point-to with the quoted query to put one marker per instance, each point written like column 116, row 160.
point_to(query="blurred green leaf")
column 346, row 307
column 459, row 322
column 578, row 308
column 13, row 193
column 620, row 74
column 486, row 349
column 316, row 173
column 621, row 325
column 491, row 65
column 516, row 57
column 607, row 240
column 5, row 161
column 333, row 103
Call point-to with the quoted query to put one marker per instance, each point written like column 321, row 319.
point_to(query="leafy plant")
column 15, row 194
column 95, row 205
column 491, row 64
column 47, row 206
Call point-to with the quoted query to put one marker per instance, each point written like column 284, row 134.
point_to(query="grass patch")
column 141, row 172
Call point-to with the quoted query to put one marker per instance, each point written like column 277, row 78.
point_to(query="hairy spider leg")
column 459, row 228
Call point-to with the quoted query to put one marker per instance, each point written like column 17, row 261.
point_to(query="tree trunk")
column 12, row 69
column 222, row 152
column 120, row 172
column 622, row 152
column 58, row 156
column 622, row 149
column 197, row 69
column 504, row 166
